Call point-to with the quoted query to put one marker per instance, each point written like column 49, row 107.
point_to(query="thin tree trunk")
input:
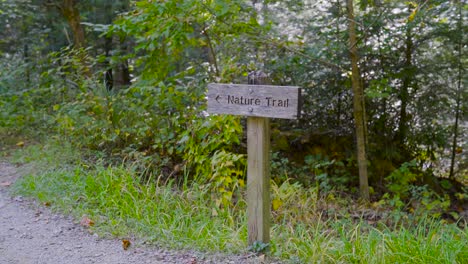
column 122, row 70
column 458, row 107
column 108, row 74
column 338, row 38
column 359, row 105
column 211, row 52
column 26, row 61
column 402, row 132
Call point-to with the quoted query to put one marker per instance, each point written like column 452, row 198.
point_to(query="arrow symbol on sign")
column 217, row 98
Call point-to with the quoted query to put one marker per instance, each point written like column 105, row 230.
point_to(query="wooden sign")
column 258, row 102
column 254, row 100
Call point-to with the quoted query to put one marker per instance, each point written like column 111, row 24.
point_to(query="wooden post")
column 258, row 179
column 258, row 102
column 258, row 172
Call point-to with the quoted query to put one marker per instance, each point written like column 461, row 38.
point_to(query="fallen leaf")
column 20, row 144
column 5, row 184
column 126, row 244
column 85, row 221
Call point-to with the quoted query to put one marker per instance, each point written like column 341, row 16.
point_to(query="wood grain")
column 258, row 179
column 254, row 100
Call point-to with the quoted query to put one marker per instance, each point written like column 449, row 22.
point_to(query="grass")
column 185, row 217
column 122, row 206
column 428, row 242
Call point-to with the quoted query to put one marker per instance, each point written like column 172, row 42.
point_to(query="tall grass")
column 340, row 242
column 122, row 205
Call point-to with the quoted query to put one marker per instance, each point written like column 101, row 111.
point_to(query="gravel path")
column 32, row 234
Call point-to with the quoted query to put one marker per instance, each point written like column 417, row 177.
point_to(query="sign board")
column 254, row 100
column 258, row 102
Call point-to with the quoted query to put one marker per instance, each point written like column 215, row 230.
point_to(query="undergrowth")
column 305, row 229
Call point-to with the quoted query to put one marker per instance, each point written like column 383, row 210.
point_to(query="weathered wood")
column 254, row 100
column 258, row 179
column 258, row 102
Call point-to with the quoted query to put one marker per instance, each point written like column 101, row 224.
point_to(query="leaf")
column 455, row 215
column 446, row 184
column 86, row 222
column 276, row 204
column 413, row 14
column 126, row 244
column 5, row 184
column 241, row 182
column 261, row 258
column 20, row 144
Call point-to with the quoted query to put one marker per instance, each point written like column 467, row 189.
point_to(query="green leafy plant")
column 228, row 176
column 259, row 247
column 328, row 174
column 399, row 181
column 207, row 147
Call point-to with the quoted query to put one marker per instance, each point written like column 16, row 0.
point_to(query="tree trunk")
column 72, row 15
column 338, row 40
column 458, row 106
column 122, row 70
column 211, row 52
column 122, row 75
column 359, row 105
column 402, row 132
column 27, row 61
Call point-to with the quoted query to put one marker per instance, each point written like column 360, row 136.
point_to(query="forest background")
column 382, row 136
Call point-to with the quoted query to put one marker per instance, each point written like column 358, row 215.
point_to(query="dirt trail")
column 32, row 234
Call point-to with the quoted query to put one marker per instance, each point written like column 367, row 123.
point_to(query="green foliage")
column 259, row 247
column 400, row 180
column 66, row 70
column 329, row 174
column 23, row 108
column 228, row 176
column 12, row 75
column 420, row 203
column 293, row 203
column 161, row 130
column 203, row 151
column 177, row 47
column 174, row 35
column 158, row 128
column 429, row 202
column 122, row 204
column 208, row 135
column 282, row 169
